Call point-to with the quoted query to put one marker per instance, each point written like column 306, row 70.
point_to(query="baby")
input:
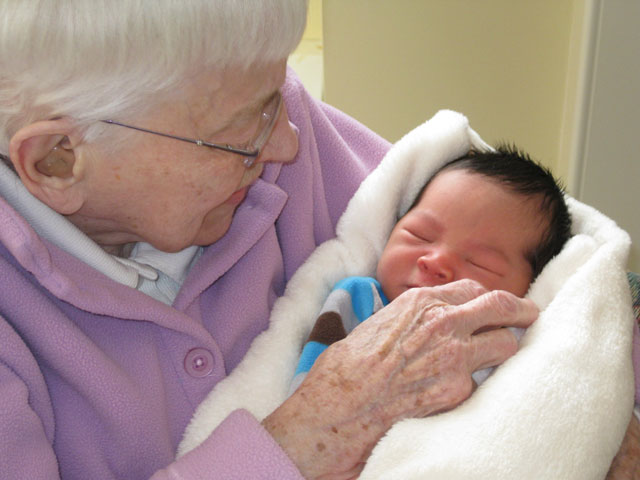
column 494, row 217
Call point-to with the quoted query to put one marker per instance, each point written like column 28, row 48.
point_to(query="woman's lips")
column 238, row 196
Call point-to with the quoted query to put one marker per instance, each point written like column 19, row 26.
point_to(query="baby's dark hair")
column 513, row 168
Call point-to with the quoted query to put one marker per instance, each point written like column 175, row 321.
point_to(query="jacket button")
column 198, row 362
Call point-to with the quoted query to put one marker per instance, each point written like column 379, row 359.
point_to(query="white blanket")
column 557, row 409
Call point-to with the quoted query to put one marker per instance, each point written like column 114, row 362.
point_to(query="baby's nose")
column 437, row 267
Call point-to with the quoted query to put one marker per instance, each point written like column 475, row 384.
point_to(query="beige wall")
column 504, row 63
column 314, row 21
column 307, row 59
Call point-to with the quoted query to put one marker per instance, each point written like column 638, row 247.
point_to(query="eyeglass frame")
column 257, row 142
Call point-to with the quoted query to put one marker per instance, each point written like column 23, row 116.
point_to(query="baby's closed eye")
column 486, row 266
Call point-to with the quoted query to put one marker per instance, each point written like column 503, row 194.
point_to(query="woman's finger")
column 495, row 309
column 491, row 348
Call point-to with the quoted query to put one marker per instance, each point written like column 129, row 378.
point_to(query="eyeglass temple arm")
column 226, row 148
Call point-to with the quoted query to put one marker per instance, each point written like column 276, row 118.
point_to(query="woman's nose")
column 437, row 267
column 282, row 145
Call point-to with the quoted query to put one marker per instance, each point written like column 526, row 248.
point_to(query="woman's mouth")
column 238, row 196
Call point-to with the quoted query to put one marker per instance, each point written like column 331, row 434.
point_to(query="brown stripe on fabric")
column 328, row 329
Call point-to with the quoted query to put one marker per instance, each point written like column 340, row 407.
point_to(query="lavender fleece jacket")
column 98, row 380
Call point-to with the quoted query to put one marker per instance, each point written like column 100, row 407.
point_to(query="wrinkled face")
column 174, row 194
column 464, row 226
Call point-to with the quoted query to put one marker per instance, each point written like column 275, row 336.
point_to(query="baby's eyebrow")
column 427, row 219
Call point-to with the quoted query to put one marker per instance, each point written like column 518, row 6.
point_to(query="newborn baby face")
column 465, row 225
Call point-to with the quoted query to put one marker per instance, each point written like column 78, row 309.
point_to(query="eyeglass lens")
column 267, row 121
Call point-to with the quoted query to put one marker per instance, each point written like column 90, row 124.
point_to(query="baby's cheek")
column 485, row 280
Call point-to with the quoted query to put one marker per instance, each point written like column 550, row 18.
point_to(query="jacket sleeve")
column 237, row 450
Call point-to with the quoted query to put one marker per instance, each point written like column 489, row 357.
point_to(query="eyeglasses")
column 268, row 117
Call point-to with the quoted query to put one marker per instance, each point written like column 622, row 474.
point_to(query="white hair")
column 98, row 59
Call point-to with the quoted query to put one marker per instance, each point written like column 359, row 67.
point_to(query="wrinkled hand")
column 626, row 464
column 413, row 358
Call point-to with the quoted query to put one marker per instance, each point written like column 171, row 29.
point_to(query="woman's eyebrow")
column 245, row 111
column 259, row 102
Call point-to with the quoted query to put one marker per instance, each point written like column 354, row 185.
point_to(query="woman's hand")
column 413, row 358
column 626, row 464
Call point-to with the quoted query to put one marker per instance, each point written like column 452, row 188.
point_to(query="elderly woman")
column 163, row 177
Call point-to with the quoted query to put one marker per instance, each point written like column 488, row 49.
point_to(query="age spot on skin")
column 320, row 446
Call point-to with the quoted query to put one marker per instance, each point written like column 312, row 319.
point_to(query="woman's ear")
column 44, row 156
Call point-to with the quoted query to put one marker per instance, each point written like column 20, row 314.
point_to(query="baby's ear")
column 43, row 155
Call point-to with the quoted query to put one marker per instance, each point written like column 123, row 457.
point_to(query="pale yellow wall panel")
column 314, row 21
column 393, row 64
column 307, row 59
